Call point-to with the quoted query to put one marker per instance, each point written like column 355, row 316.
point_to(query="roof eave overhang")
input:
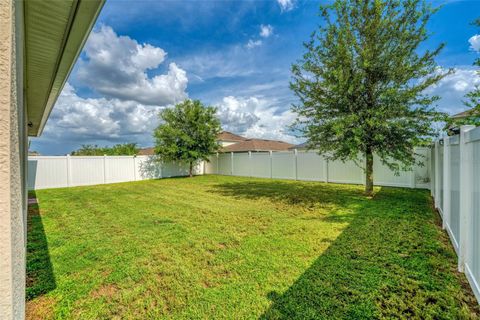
column 46, row 74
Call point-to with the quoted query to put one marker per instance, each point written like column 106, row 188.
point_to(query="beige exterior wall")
column 13, row 144
column 226, row 143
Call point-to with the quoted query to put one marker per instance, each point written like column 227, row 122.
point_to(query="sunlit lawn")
column 225, row 247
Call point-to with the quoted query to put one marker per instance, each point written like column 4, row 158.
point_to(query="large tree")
column 187, row 133
column 361, row 83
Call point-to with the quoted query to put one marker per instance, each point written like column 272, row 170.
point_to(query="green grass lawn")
column 215, row 247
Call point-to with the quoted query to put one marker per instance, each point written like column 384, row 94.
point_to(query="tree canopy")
column 472, row 101
column 361, row 83
column 121, row 149
column 187, row 133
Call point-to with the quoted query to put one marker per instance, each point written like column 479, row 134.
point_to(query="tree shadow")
column 390, row 261
column 306, row 194
column 40, row 277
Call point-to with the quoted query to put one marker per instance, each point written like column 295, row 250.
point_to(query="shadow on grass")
column 40, row 276
column 305, row 194
column 391, row 261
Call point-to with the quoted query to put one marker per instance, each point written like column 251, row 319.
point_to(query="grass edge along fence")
column 308, row 165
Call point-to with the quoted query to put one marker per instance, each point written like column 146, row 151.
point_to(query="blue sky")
column 143, row 56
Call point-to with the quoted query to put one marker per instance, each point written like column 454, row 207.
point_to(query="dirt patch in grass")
column 40, row 308
column 105, row 291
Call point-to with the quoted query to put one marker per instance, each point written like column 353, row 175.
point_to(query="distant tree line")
column 121, row 149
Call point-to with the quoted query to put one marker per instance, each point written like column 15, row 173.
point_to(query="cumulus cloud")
column 475, row 42
column 266, row 30
column 253, row 43
column 256, row 117
column 116, row 66
column 286, row 5
column 452, row 89
column 90, row 119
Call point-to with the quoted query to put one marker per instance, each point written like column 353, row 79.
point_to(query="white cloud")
column 88, row 119
column 475, row 42
column 452, row 89
column 116, row 66
column 286, row 5
column 266, row 30
column 256, row 117
column 253, row 43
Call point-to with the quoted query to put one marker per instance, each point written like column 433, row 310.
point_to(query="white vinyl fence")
column 455, row 187
column 308, row 165
column 68, row 171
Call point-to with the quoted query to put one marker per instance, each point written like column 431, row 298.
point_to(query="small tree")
column 188, row 133
column 361, row 83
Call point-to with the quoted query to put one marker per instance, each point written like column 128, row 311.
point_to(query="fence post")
column 437, row 175
column 271, row 165
column 465, row 190
column 325, row 169
column 295, row 153
column 412, row 177
column 446, row 182
column 432, row 171
column 231, row 163
column 250, row 163
column 217, row 164
column 363, row 173
column 134, row 168
column 104, row 168
column 69, row 171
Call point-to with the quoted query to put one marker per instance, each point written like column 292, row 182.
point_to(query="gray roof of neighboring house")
column 465, row 114
column 228, row 136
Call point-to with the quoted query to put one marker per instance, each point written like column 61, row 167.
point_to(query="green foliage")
column 218, row 247
column 361, row 82
column 121, row 149
column 472, row 101
column 188, row 133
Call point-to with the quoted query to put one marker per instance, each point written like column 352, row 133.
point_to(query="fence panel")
column 225, row 163
column 283, row 165
column 475, row 225
column 455, row 172
column 86, row 171
column 211, row 166
column 261, row 165
column 47, row 172
column 441, row 177
column 147, row 167
column 241, row 164
column 422, row 173
column 384, row 176
column 345, row 172
column 311, row 166
column 119, row 169
column 454, row 188
column 69, row 171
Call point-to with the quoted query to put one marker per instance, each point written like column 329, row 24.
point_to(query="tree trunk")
column 190, row 171
column 369, row 172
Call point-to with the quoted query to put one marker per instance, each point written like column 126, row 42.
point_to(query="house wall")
column 226, row 143
column 13, row 143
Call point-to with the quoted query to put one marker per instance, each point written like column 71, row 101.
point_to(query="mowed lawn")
column 214, row 247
